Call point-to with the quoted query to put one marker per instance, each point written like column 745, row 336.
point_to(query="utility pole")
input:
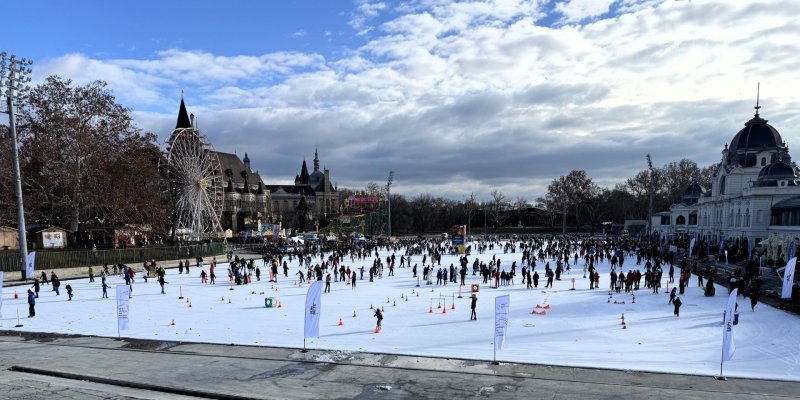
column 389, row 199
column 14, row 75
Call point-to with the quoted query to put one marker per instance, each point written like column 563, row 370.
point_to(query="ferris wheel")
column 191, row 175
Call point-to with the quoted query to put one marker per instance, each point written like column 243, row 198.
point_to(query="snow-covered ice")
column 581, row 328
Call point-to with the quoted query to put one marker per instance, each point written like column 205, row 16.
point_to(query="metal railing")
column 53, row 259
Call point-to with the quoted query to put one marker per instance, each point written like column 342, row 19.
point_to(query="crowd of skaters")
column 565, row 252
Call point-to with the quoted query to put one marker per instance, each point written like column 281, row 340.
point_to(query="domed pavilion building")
column 754, row 198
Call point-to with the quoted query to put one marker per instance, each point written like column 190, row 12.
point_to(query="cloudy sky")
column 455, row 97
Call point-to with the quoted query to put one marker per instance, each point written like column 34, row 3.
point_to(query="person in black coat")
column 69, row 291
column 474, row 316
column 36, row 287
column 379, row 316
column 677, row 303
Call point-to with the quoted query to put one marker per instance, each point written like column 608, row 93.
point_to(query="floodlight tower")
column 14, row 77
column 651, row 189
column 389, row 199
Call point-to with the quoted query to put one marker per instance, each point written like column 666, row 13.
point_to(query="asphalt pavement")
column 49, row 366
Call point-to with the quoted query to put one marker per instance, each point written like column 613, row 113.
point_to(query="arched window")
column 681, row 220
column 746, row 217
column 722, row 185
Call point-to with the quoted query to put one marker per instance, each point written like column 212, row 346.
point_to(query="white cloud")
column 579, row 10
column 470, row 96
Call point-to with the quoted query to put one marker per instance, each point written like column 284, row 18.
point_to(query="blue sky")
column 456, row 97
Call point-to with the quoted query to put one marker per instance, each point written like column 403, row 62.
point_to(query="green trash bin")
column 269, row 302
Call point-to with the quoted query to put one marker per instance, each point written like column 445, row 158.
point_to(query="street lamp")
column 650, row 199
column 389, row 199
column 14, row 76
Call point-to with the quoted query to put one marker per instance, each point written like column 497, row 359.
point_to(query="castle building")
column 754, row 198
column 315, row 190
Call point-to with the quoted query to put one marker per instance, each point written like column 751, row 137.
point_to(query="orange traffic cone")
column 340, row 322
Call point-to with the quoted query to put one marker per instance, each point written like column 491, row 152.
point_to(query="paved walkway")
column 61, row 367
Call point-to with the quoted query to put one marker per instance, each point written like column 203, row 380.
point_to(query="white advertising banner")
column 313, row 309
column 29, row 262
column 123, row 307
column 501, row 304
column 1, row 294
column 788, row 279
column 728, row 348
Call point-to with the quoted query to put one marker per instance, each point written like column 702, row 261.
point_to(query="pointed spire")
column 246, row 161
column 304, row 174
column 316, row 160
column 183, row 117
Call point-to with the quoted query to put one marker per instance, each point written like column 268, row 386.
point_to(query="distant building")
column 754, row 197
column 314, row 190
column 247, row 201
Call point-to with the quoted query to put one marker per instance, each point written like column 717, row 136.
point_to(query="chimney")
column 191, row 119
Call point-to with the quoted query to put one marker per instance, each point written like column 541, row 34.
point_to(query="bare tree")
column 497, row 206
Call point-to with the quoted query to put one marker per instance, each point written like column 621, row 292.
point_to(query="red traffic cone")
column 340, row 322
column 544, row 312
column 440, row 305
column 453, row 307
column 280, row 305
column 546, row 307
column 430, row 310
column 534, row 311
column 16, row 295
column 444, row 310
column 538, row 306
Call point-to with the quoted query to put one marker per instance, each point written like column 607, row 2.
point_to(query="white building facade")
column 754, row 199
